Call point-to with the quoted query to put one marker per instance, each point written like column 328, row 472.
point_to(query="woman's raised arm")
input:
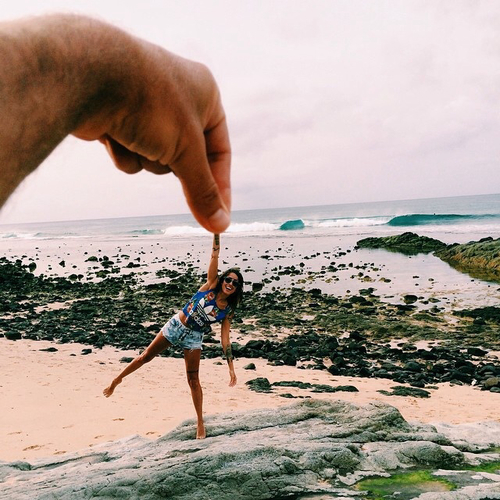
column 213, row 266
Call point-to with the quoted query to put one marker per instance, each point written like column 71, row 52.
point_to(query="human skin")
column 153, row 110
column 191, row 357
column 212, row 278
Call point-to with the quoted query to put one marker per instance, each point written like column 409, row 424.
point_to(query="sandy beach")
column 52, row 401
column 76, row 292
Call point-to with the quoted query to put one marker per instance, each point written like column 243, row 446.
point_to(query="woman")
column 214, row 302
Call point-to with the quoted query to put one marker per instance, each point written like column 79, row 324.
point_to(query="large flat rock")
column 309, row 448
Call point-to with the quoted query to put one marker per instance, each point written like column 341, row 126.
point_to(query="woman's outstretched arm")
column 213, row 265
column 226, row 347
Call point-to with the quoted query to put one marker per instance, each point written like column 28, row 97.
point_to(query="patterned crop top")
column 201, row 311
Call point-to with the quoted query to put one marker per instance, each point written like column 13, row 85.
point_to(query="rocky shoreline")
column 480, row 259
column 339, row 450
column 357, row 335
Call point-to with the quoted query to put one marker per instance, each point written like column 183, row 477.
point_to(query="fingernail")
column 219, row 221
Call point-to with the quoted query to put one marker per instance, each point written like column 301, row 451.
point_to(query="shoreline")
column 260, row 258
column 54, row 402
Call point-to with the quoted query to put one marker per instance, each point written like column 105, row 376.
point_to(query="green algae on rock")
column 405, row 485
column 480, row 259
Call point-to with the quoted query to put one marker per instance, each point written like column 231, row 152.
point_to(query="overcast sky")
column 328, row 101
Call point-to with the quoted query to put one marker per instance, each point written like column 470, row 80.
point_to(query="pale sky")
column 328, row 101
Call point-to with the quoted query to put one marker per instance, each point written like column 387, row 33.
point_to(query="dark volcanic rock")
column 315, row 387
column 13, row 335
column 487, row 314
column 410, row 299
column 260, row 384
column 401, row 390
column 407, row 243
column 476, row 351
column 114, row 312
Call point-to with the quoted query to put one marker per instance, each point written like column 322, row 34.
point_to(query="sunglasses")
column 228, row 280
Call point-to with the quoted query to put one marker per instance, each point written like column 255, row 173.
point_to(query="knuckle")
column 209, row 196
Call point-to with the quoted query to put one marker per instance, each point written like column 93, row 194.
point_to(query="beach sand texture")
column 52, row 401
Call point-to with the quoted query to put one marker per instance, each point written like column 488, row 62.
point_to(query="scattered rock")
column 476, row 351
column 13, row 335
column 120, row 312
column 491, row 382
column 401, row 390
column 410, row 299
column 260, row 384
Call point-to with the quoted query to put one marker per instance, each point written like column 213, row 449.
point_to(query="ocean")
column 266, row 242
column 455, row 219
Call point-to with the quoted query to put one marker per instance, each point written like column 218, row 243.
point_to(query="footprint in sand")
column 34, row 447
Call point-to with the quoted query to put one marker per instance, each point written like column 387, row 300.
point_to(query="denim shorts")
column 179, row 335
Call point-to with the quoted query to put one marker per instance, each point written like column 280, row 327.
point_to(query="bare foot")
column 200, row 432
column 109, row 390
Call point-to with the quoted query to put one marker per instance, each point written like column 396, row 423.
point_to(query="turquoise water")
column 452, row 219
column 265, row 242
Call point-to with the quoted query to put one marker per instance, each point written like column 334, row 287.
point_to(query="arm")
column 213, row 265
column 153, row 110
column 226, row 347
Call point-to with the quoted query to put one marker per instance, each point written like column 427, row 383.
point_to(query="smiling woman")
column 214, row 302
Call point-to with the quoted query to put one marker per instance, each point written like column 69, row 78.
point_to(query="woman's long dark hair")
column 234, row 300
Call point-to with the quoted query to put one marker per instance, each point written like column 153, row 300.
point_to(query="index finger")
column 202, row 192
column 218, row 149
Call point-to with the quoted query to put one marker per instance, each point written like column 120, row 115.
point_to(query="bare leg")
column 159, row 344
column 192, row 360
